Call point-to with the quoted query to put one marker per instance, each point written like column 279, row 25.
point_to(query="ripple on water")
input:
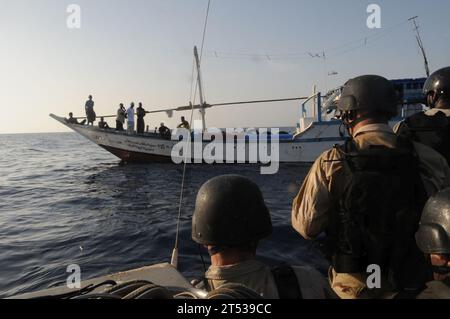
column 67, row 201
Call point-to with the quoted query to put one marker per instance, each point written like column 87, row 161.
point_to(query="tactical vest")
column 287, row 283
column 377, row 213
column 433, row 131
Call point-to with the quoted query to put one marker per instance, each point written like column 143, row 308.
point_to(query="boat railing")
column 317, row 107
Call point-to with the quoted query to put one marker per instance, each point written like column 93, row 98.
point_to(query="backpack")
column 433, row 131
column 377, row 213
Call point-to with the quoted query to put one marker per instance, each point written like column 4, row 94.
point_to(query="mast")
column 200, row 89
column 420, row 43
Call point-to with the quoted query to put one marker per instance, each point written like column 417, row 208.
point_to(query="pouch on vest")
column 433, row 131
column 287, row 283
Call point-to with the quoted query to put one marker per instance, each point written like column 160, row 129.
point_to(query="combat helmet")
column 433, row 236
column 437, row 83
column 230, row 211
column 369, row 93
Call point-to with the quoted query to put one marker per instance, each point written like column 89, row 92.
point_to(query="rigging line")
column 174, row 260
column 365, row 38
column 366, row 43
column 204, row 29
column 302, row 55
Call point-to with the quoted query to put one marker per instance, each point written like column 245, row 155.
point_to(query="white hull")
column 152, row 148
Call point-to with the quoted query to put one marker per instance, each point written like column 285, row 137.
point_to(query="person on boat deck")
column 140, row 113
column 433, row 239
column 90, row 113
column 164, row 131
column 370, row 190
column 432, row 127
column 230, row 218
column 130, row 119
column 102, row 124
column 184, row 124
column 120, row 119
column 72, row 120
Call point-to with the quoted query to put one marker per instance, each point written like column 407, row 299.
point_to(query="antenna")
column 420, row 43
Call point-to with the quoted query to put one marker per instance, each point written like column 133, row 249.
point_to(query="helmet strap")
column 341, row 130
column 350, row 121
column 431, row 100
column 214, row 250
column 441, row 270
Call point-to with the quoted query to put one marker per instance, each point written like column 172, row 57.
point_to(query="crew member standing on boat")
column 120, row 119
column 90, row 113
column 432, row 127
column 230, row 219
column 367, row 196
column 140, row 113
column 130, row 119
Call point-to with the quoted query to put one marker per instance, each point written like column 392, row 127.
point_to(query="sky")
column 141, row 51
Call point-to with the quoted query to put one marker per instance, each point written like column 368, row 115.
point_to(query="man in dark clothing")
column 102, row 124
column 72, row 120
column 184, row 124
column 140, row 113
column 367, row 196
column 90, row 114
column 432, row 127
column 164, row 131
column 121, row 116
column 433, row 239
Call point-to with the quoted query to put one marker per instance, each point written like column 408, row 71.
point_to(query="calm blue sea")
column 66, row 201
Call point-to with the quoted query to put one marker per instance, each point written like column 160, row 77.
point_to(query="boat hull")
column 151, row 148
column 136, row 157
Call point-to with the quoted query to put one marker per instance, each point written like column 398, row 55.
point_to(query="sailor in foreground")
column 368, row 195
column 230, row 219
column 432, row 127
column 433, row 238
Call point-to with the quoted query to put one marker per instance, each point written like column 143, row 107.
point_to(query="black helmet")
column 230, row 211
column 433, row 236
column 369, row 92
column 438, row 82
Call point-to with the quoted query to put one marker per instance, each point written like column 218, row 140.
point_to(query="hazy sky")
column 141, row 50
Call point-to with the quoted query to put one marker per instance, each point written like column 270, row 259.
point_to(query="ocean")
column 66, row 201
